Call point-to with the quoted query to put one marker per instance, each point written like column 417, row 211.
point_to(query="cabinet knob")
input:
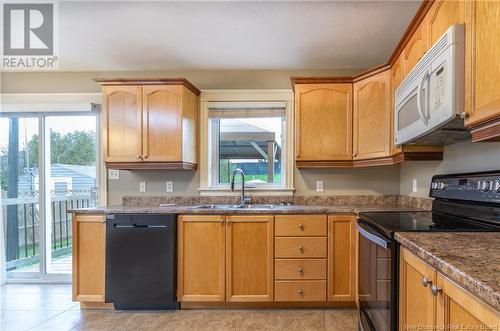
column 145, row 156
column 138, row 156
column 301, row 293
column 435, row 290
column 301, row 270
column 426, row 281
column 301, row 227
column 301, row 248
column 221, row 221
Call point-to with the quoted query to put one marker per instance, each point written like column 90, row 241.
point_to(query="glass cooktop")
column 390, row 222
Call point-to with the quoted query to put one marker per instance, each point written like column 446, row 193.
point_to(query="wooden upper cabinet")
column 415, row 49
column 372, row 117
column 417, row 305
column 486, row 64
column 150, row 124
column 201, row 251
column 442, row 15
column 89, row 257
column 341, row 257
column 162, row 123
column 122, row 123
column 249, row 258
column 323, row 122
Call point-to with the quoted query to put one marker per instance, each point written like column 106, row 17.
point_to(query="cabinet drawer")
column 312, row 290
column 300, row 269
column 300, row 225
column 300, row 247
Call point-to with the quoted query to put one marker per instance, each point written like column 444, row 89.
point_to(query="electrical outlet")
column 142, row 187
column 414, row 185
column 319, row 186
column 169, row 186
column 113, row 174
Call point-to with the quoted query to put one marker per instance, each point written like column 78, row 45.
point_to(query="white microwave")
column 429, row 102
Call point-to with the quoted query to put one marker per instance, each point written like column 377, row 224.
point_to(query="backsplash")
column 414, row 202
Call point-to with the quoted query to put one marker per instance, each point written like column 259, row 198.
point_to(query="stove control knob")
column 434, row 185
column 496, row 186
column 484, row 185
column 441, row 185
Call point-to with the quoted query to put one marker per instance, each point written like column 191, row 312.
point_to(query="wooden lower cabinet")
column 301, row 290
column 446, row 307
column 341, row 257
column 89, row 257
column 249, row 258
column 201, row 263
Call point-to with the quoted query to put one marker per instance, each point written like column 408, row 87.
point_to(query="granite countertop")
column 278, row 209
column 471, row 259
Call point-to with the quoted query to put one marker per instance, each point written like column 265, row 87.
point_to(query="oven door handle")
column 371, row 235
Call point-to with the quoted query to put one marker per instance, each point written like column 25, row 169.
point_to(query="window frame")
column 207, row 149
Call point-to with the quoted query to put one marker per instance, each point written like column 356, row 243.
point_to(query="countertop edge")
column 483, row 291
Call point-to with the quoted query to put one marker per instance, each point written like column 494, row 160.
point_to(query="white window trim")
column 208, row 96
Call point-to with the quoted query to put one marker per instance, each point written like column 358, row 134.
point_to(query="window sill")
column 249, row 191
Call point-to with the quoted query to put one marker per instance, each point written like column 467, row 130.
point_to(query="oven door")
column 376, row 282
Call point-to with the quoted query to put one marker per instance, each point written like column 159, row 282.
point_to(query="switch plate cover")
column 319, row 186
column 142, row 187
column 169, row 186
column 113, row 174
column 414, row 185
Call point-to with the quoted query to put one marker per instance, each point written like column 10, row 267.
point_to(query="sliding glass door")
column 48, row 165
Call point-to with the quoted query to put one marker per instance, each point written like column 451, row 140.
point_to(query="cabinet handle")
column 301, row 227
column 145, row 156
column 435, row 290
column 138, row 156
column 301, row 248
column 301, row 270
column 426, row 281
column 221, row 221
column 301, row 293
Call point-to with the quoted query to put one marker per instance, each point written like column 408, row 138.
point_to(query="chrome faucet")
column 242, row 173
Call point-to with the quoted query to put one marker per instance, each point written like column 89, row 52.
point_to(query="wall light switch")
column 319, row 186
column 113, row 174
column 142, row 187
column 169, row 186
column 414, row 185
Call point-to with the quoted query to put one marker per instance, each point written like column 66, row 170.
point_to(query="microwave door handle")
column 419, row 99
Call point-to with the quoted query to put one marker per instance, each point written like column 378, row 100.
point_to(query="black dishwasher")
column 141, row 261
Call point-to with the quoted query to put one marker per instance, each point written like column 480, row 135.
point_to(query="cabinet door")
column 89, row 245
column 416, row 47
column 249, row 258
column 323, row 121
column 122, row 123
column 442, row 15
column 162, row 122
column 372, row 117
column 341, row 257
column 417, row 305
column 460, row 310
column 201, row 244
column 486, row 64
column 398, row 73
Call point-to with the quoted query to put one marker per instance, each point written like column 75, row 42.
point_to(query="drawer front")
column 300, row 247
column 300, row 225
column 300, row 269
column 313, row 290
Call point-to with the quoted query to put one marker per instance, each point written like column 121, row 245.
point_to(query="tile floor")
column 49, row 307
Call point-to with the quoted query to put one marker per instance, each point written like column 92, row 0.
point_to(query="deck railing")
column 28, row 231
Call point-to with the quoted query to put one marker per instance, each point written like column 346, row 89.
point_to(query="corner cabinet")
column 150, row 124
column 428, row 298
column 89, row 258
column 323, row 122
column 372, row 117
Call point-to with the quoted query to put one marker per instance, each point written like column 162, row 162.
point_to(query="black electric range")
column 462, row 203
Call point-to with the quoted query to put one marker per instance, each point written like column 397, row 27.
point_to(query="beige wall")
column 460, row 157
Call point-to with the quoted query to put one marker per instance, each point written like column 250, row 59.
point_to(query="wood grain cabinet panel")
column 341, row 257
column 122, row 123
column 249, row 258
column 300, row 269
column 372, row 117
column 442, row 15
column 303, row 290
column 417, row 305
column 300, row 247
column 398, row 74
column 416, row 47
column 201, row 250
column 300, row 225
column 485, row 63
column 323, row 122
column 89, row 257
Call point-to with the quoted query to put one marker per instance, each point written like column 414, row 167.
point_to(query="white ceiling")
column 108, row 36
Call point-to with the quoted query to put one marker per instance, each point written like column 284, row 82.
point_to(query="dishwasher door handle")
column 139, row 226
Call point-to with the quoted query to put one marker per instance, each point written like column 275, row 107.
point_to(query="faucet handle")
column 247, row 199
